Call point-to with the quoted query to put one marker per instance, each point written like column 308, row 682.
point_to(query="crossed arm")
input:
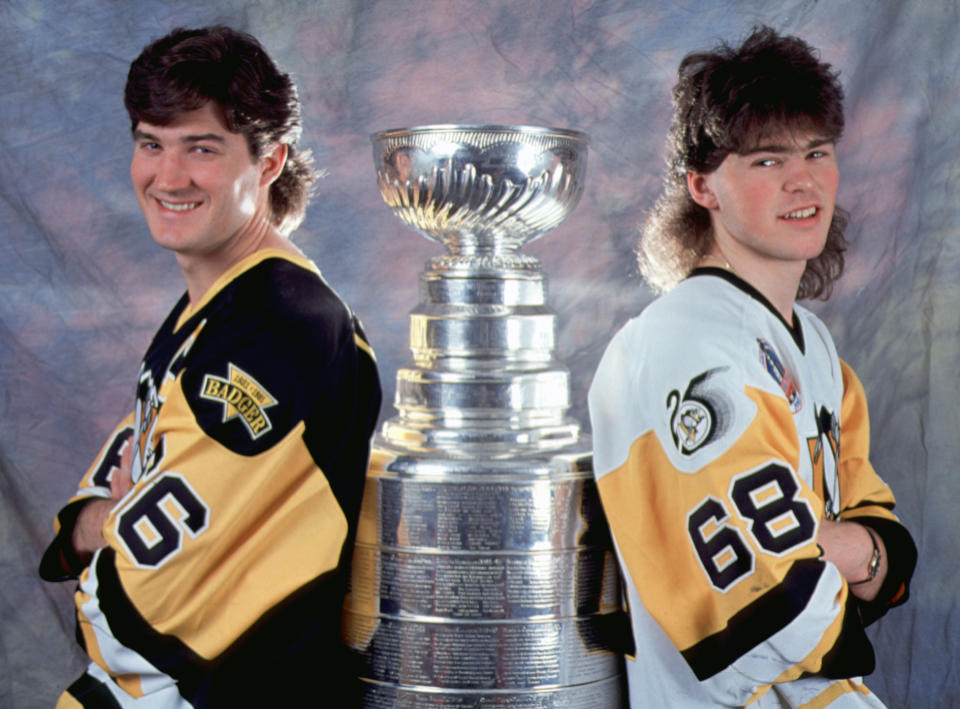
column 88, row 532
column 849, row 547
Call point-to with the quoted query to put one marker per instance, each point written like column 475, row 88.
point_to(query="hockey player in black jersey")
column 211, row 537
column 731, row 443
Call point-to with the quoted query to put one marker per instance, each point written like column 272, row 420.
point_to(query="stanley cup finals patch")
column 771, row 362
column 241, row 396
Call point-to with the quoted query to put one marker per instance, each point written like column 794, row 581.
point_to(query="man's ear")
column 272, row 163
column 699, row 187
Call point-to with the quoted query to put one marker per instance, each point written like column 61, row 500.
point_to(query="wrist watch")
column 873, row 566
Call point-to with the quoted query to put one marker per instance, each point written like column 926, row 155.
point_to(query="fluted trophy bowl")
column 481, row 190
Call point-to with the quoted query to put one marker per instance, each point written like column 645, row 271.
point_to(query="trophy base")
column 484, row 582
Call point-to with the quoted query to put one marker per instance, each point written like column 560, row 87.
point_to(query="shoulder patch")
column 242, row 397
column 771, row 362
column 698, row 416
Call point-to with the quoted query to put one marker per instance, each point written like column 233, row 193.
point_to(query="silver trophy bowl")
column 483, row 572
column 482, row 191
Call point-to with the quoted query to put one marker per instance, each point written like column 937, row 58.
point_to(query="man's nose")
column 798, row 176
column 171, row 173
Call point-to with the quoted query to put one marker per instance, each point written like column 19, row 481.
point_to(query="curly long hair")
column 188, row 68
column 726, row 101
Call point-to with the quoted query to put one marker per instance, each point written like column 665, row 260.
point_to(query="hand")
column 88, row 531
column 120, row 481
column 848, row 546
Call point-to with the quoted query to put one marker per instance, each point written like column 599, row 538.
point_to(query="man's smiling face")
column 774, row 203
column 197, row 183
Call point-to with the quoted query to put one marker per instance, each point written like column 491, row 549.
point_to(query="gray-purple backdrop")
column 82, row 287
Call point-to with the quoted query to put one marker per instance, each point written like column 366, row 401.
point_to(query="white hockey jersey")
column 722, row 437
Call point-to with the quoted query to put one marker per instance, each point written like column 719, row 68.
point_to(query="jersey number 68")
column 777, row 521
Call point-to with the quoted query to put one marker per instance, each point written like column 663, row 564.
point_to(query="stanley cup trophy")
column 483, row 573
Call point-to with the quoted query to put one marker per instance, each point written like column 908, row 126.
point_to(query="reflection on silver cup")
column 483, row 573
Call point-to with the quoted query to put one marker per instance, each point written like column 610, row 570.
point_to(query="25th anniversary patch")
column 699, row 415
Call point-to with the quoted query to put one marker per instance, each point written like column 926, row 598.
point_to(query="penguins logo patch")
column 242, row 397
column 692, row 424
column 824, row 456
column 695, row 417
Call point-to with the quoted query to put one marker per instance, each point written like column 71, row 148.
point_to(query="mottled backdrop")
column 82, row 287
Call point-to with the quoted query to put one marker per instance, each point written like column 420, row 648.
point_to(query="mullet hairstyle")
column 728, row 101
column 188, row 68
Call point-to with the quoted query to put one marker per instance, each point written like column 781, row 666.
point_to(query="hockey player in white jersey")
column 731, row 442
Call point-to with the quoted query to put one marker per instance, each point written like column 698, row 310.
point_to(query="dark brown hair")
column 726, row 101
column 188, row 68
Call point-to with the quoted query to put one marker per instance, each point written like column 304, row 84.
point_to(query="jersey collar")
column 794, row 328
column 244, row 264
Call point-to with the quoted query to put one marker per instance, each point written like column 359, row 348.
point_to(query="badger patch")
column 242, row 397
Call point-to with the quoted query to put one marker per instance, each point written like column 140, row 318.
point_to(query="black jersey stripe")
column 869, row 503
column 167, row 653
column 297, row 638
column 91, row 693
column 852, row 654
column 756, row 623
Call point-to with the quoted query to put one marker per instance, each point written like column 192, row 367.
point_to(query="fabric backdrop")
column 82, row 286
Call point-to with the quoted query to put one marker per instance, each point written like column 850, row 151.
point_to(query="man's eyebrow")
column 143, row 135
column 216, row 137
column 203, row 137
column 785, row 148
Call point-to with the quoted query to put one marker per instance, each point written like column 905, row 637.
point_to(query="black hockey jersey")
column 223, row 576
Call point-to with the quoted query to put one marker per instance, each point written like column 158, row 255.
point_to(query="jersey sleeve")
column 697, row 456
column 866, row 499
column 227, row 557
column 59, row 561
